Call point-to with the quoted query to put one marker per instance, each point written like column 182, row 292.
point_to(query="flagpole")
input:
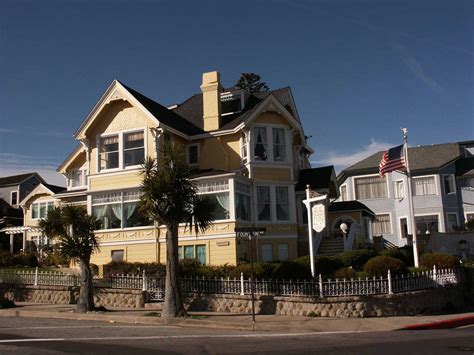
column 410, row 198
column 310, row 229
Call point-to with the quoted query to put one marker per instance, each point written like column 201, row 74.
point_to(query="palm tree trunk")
column 173, row 304
column 85, row 303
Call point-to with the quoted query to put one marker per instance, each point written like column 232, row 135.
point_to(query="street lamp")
column 250, row 233
column 344, row 227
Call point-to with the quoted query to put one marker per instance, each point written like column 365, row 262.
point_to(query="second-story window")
column 77, row 178
column 134, row 149
column 260, row 150
column 263, row 203
column 282, row 203
column 449, row 184
column 343, row 190
column 40, row 209
column 279, row 147
column 398, row 189
column 370, row 187
column 14, row 198
column 109, row 152
column 424, row 186
column 193, row 154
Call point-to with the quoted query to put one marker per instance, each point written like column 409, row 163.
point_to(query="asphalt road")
column 54, row 336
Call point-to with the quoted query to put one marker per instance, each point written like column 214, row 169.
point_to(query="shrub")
column 380, row 265
column 6, row 259
column 260, row 270
column 345, row 273
column 441, row 260
column 356, row 258
column 289, row 270
column 404, row 254
column 324, row 265
column 94, row 269
column 122, row 267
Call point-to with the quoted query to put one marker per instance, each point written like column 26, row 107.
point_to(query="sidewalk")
column 268, row 323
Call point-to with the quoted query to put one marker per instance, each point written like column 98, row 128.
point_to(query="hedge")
column 380, row 265
column 441, row 260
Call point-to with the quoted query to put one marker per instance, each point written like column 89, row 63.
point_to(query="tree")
column 170, row 198
column 74, row 230
column 251, row 83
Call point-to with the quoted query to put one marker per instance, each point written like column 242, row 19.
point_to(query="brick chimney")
column 211, row 100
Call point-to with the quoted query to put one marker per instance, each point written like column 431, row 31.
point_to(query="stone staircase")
column 331, row 246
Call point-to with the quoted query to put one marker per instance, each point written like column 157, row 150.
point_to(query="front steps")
column 331, row 246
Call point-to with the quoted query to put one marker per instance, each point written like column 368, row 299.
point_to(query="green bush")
column 324, row 265
column 289, row 270
column 403, row 254
column 380, row 265
column 441, row 260
column 356, row 258
column 260, row 270
column 6, row 259
column 122, row 267
column 345, row 273
column 54, row 257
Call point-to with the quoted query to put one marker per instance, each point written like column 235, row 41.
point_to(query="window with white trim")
column 399, row 189
column 121, row 150
column 343, row 191
column 449, row 183
column 117, row 255
column 133, row 148
column 244, row 148
column 218, row 192
column 381, row 225
column 14, row 198
column 279, row 146
column 263, row 203
column 118, row 210
column 197, row 252
column 370, row 187
column 77, row 178
column 269, row 144
column 426, row 224
column 109, row 152
column 424, row 186
column 40, row 209
column 260, row 147
column 273, row 203
column 469, row 217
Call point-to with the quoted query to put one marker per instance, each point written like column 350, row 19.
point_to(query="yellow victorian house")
column 245, row 151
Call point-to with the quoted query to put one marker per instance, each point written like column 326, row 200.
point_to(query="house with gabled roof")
column 442, row 193
column 245, row 150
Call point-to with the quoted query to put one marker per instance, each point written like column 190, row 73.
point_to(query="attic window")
column 231, row 103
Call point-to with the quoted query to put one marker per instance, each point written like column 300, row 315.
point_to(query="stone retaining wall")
column 448, row 299
column 120, row 298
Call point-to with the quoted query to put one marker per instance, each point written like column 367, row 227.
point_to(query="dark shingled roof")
column 16, row 179
column 56, row 189
column 317, row 178
column 191, row 109
column 162, row 114
column 349, row 206
column 6, row 210
column 422, row 159
column 465, row 166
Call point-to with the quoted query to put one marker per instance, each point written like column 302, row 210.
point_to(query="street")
column 53, row 336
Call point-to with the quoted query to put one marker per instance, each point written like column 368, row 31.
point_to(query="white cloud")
column 14, row 164
column 343, row 160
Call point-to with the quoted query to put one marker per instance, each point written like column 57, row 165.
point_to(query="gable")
column 40, row 192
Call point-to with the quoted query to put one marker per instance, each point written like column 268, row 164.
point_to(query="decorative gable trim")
column 40, row 189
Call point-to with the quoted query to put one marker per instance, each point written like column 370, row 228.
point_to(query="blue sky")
column 359, row 70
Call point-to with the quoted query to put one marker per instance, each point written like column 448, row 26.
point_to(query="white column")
column 11, row 243
column 24, row 240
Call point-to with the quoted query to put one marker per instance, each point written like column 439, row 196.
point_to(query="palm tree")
column 74, row 230
column 170, row 198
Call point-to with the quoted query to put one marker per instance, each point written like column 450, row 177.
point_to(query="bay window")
column 424, row 186
column 276, row 150
column 273, row 203
column 118, row 210
column 370, row 187
column 77, row 178
column 279, row 147
column 218, row 192
column 398, row 189
column 263, row 203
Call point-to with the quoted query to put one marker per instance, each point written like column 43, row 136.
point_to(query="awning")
column 20, row 229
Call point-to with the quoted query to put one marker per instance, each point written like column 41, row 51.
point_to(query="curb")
column 443, row 324
column 202, row 323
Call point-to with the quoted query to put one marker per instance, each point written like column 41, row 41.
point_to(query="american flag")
column 392, row 159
